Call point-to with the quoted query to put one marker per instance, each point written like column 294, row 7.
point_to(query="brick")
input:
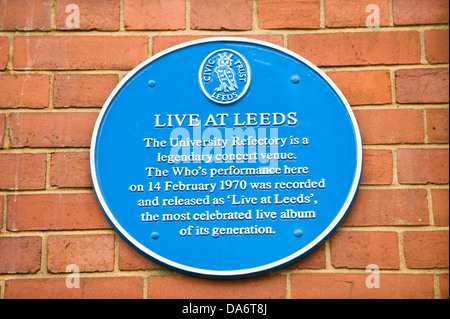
column 316, row 260
column 437, row 125
column 364, row 87
column 440, row 202
column 130, row 259
column 161, row 43
column 183, row 287
column 377, row 167
column 4, row 52
column 443, row 285
column 2, row 129
column 357, row 249
column 290, row 14
column 353, row 286
column 422, row 166
column 390, row 126
column 93, row 252
column 386, row 207
column 25, row 15
column 83, row 90
column 79, row 52
column 60, row 129
column 436, row 46
column 357, row 48
column 24, row 90
column 20, row 255
column 155, row 15
column 90, row 288
column 22, row 171
column 93, row 15
column 422, row 86
column 426, row 249
column 411, row 12
column 354, row 13
column 70, row 169
column 62, row 211
column 221, row 15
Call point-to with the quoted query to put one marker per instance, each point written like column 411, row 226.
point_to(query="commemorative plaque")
column 226, row 157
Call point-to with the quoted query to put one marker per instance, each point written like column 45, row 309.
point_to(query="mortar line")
column 10, row 62
column 39, row 150
column 48, row 171
column 56, row 110
column 391, row 13
column 58, row 232
column 51, row 93
column 85, row 274
column 116, row 267
column 430, row 207
column 395, row 168
column 44, row 255
column 90, row 109
column 300, row 31
column 6, row 136
column 392, row 228
column 53, row 16
column 166, row 272
column 145, row 286
column 4, row 214
column 423, row 58
column 255, row 20
column 328, row 264
column 90, row 190
column 393, row 87
column 401, row 251
column 437, row 287
column 121, row 15
column 323, row 68
column 150, row 46
column 188, row 15
column 288, row 286
column 50, row 191
column 322, row 24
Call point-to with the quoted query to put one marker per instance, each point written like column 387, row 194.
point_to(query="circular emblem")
column 224, row 76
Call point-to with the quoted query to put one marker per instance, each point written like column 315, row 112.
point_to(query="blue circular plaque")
column 226, row 157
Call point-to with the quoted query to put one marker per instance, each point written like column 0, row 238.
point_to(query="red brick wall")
column 54, row 80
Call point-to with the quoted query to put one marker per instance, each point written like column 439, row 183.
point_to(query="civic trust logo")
column 224, row 76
